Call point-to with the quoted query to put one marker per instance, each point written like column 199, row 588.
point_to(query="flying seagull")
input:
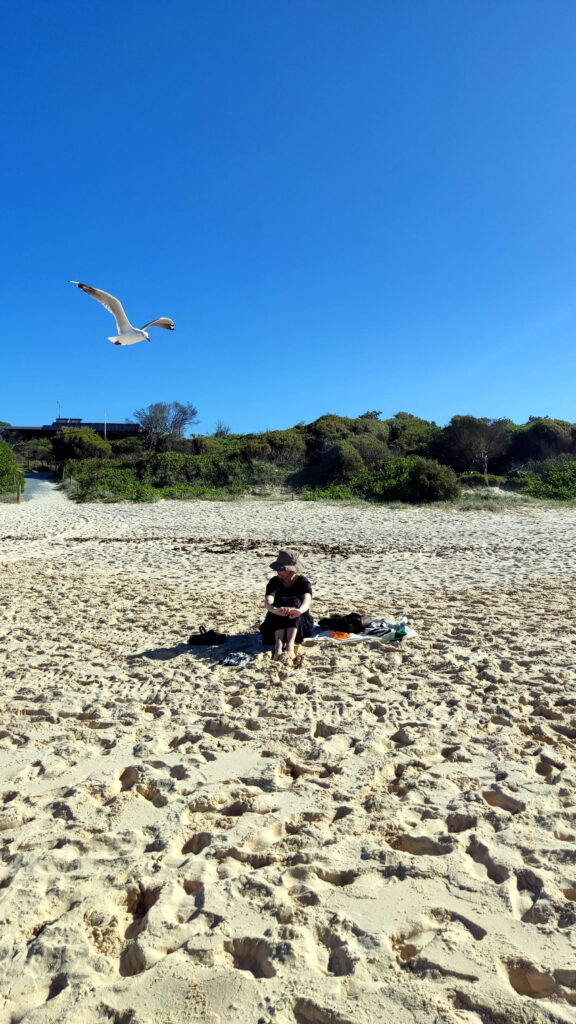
column 127, row 335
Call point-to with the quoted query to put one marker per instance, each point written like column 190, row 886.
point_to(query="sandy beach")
column 383, row 833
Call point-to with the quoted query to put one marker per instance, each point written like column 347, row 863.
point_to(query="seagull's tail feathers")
column 163, row 321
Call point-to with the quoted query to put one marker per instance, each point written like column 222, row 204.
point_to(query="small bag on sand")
column 207, row 638
column 354, row 622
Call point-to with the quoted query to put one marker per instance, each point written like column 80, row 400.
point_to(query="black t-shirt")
column 298, row 588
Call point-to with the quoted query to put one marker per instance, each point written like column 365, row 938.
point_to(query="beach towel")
column 383, row 630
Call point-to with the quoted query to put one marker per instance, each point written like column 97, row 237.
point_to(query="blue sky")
column 345, row 205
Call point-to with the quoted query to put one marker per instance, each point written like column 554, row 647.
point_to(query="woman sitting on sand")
column 288, row 599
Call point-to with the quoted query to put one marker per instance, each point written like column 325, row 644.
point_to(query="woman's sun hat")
column 288, row 560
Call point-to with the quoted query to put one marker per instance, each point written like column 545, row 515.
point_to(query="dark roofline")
column 49, row 429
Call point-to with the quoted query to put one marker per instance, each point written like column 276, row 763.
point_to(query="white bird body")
column 129, row 337
column 127, row 334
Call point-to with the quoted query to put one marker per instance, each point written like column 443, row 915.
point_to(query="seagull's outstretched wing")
column 163, row 321
column 110, row 303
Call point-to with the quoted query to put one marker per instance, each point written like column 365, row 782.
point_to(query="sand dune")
column 385, row 833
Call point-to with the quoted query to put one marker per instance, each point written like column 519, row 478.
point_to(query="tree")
column 222, row 430
column 468, row 443
column 541, row 438
column 374, row 415
column 163, row 422
column 410, row 435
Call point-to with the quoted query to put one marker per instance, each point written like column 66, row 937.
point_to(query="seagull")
column 127, row 335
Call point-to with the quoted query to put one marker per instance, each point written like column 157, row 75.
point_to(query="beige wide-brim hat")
column 289, row 560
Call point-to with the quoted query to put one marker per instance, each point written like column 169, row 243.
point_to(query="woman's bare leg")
column 279, row 639
column 290, row 641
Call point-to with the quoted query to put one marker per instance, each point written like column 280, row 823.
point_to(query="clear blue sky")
column 345, row 205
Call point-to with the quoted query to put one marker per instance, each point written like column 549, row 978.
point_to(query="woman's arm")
column 293, row 613
column 269, row 602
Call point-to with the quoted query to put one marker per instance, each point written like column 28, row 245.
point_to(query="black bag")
column 354, row 622
column 207, row 638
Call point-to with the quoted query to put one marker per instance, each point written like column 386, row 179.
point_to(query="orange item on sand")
column 340, row 636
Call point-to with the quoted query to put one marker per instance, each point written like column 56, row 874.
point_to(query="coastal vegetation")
column 403, row 458
column 11, row 476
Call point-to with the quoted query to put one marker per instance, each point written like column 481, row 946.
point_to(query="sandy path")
column 381, row 834
column 42, row 487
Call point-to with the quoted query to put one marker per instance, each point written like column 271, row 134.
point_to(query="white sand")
column 382, row 834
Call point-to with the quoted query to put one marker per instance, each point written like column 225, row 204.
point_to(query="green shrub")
column 287, row 448
column 174, row 469
column 481, row 480
column 323, row 433
column 93, row 481
column 35, row 454
column 541, row 438
column 410, row 435
column 165, row 469
column 201, row 445
column 558, row 482
column 370, row 449
column 79, row 443
column 333, row 492
column 156, row 476
column 7, row 465
column 84, row 469
column 256, row 448
column 340, row 462
column 265, row 474
column 521, row 482
column 10, row 474
column 128, row 445
column 413, row 479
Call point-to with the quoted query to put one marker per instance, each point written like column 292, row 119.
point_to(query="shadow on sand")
column 239, row 643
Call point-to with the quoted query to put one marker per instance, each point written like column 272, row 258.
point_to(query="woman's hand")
column 292, row 613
